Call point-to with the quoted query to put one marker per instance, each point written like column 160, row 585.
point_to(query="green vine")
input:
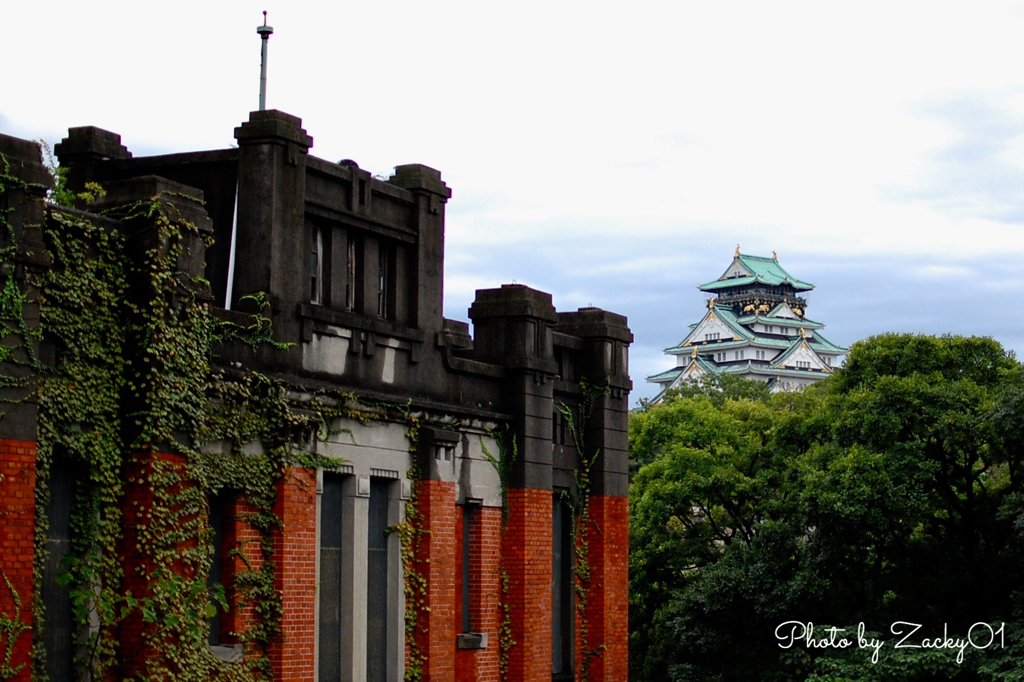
column 410, row 531
column 581, row 519
column 11, row 628
column 503, row 463
column 133, row 332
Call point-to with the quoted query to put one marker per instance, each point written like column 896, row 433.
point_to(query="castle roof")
column 747, row 269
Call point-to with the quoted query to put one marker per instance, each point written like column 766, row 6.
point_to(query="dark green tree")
column 889, row 492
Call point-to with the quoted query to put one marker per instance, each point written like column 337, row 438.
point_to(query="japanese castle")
column 755, row 328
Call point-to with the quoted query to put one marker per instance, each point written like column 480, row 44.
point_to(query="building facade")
column 755, row 327
column 286, row 451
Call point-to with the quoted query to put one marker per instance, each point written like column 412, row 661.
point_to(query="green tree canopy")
column 889, row 492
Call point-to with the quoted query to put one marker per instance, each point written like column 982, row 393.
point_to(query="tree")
column 889, row 492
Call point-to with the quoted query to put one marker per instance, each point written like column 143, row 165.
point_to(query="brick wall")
column 17, row 538
column 136, row 514
column 437, row 563
column 481, row 665
column 295, row 548
column 526, row 547
column 240, row 535
column 608, row 600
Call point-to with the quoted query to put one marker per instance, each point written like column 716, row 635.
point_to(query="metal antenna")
column 264, row 32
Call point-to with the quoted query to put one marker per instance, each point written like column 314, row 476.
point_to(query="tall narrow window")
column 329, row 633
column 377, row 583
column 350, row 273
column 219, row 506
column 383, row 275
column 316, row 267
column 561, row 585
column 468, row 513
column 57, row 635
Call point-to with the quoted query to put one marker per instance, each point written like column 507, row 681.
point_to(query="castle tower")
column 755, row 327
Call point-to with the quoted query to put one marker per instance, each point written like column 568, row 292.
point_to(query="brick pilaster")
column 481, row 665
column 239, row 535
column 527, row 551
column 608, row 598
column 436, row 562
column 295, row 546
column 17, row 542
column 137, row 513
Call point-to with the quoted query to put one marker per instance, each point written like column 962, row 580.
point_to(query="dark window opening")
column 377, row 583
column 469, row 512
column 220, row 506
column 385, row 280
column 316, row 267
column 350, row 273
column 562, row 615
column 58, row 635
column 329, row 649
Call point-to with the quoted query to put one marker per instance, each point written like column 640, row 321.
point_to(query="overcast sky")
column 611, row 154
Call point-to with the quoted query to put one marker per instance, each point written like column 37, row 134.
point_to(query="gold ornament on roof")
column 694, row 353
column 775, row 257
column 737, row 250
column 803, row 333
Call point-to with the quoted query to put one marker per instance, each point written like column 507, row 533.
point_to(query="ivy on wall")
column 581, row 519
column 132, row 402
column 503, row 463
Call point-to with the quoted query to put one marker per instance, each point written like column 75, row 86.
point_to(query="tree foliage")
column 889, row 492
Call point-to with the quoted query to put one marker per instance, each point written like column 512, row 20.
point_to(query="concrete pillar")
column 431, row 195
column 271, row 245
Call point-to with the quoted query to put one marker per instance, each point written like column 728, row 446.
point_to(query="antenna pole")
column 264, row 32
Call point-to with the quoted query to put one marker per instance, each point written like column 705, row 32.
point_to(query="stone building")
column 439, row 485
column 755, row 328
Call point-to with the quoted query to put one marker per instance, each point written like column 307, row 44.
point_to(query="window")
column 468, row 516
column 330, row 588
column 350, row 273
column 562, row 613
column 377, row 583
column 60, row 625
column 316, row 267
column 385, row 280
column 220, row 508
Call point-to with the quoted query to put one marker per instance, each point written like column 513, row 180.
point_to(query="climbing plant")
column 131, row 398
column 503, row 463
column 582, row 522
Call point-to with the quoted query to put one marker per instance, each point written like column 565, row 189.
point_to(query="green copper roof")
column 667, row 375
column 762, row 270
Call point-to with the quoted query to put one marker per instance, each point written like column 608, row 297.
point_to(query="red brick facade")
column 376, row 330
column 436, row 562
column 295, row 548
column 245, row 540
column 481, row 665
column 17, row 538
column 526, row 549
column 137, row 512
column 608, row 596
